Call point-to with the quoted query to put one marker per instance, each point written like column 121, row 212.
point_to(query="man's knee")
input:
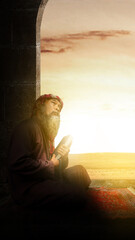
column 77, row 175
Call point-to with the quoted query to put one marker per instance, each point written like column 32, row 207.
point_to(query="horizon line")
column 104, row 152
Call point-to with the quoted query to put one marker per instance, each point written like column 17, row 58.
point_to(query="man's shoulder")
column 26, row 125
column 25, row 122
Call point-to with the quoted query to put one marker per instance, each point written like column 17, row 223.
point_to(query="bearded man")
column 34, row 177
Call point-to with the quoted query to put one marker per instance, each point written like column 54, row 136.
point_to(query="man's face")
column 52, row 107
column 50, row 117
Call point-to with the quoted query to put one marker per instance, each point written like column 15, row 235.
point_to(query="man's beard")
column 50, row 124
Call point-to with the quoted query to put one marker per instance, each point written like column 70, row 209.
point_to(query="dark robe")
column 33, row 179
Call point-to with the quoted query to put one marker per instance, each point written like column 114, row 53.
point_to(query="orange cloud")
column 61, row 50
column 98, row 34
column 66, row 42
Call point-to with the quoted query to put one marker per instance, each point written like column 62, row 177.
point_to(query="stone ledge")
column 113, row 183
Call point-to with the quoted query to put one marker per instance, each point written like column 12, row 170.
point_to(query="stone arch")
column 20, row 64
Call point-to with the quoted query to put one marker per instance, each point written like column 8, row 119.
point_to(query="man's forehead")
column 55, row 100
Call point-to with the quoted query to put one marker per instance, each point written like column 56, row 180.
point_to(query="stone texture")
column 24, row 27
column 19, row 100
column 38, row 90
column 5, row 27
column 29, row 4
column 38, row 23
column 2, row 102
column 5, row 55
column 113, row 183
column 19, row 65
column 24, row 69
column 3, row 140
column 5, row 4
column 20, row 22
column 38, row 50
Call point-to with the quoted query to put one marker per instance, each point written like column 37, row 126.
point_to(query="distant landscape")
column 104, row 160
column 107, row 169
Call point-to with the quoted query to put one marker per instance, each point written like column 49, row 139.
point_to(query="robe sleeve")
column 64, row 161
column 25, row 152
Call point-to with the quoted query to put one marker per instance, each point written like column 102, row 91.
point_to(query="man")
column 34, row 177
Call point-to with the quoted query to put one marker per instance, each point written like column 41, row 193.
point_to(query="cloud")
column 98, row 34
column 56, row 45
column 66, row 42
column 61, row 50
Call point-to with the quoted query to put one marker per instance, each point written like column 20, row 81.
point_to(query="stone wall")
column 20, row 22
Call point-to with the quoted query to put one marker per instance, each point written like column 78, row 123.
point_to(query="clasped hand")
column 62, row 150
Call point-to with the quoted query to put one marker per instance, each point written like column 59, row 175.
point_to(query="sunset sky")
column 88, row 59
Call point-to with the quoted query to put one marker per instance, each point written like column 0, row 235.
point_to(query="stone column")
column 20, row 22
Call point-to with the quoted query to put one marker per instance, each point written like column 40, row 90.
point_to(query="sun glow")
column 98, row 134
column 90, row 65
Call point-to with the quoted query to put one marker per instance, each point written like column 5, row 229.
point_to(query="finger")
column 62, row 152
column 65, row 148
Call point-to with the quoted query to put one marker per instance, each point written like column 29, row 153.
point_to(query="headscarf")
column 42, row 99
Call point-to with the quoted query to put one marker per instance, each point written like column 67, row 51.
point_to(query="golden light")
column 98, row 134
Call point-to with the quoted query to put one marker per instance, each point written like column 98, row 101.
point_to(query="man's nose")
column 57, row 108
